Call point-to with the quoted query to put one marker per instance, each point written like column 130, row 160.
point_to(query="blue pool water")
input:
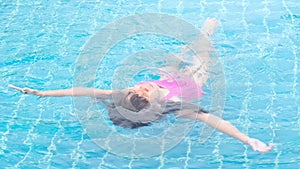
column 258, row 44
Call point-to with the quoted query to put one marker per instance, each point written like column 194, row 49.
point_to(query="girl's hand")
column 259, row 146
column 26, row 90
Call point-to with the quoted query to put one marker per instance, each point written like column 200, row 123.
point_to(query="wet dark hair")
column 138, row 102
column 130, row 112
column 137, row 112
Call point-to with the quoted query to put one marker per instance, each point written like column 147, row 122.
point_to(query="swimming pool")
column 257, row 44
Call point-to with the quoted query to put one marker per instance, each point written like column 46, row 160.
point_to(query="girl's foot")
column 209, row 27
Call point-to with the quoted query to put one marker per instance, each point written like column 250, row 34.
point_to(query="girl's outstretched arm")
column 227, row 128
column 78, row 91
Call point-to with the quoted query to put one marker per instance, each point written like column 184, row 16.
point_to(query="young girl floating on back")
column 174, row 92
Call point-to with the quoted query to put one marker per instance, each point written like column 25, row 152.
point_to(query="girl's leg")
column 200, row 62
column 197, row 66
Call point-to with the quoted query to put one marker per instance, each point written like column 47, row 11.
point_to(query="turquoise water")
column 257, row 43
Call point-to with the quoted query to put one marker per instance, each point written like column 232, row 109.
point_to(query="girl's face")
column 149, row 91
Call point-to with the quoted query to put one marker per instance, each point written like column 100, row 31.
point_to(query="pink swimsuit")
column 183, row 86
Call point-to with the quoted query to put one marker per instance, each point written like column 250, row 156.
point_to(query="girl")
column 154, row 99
